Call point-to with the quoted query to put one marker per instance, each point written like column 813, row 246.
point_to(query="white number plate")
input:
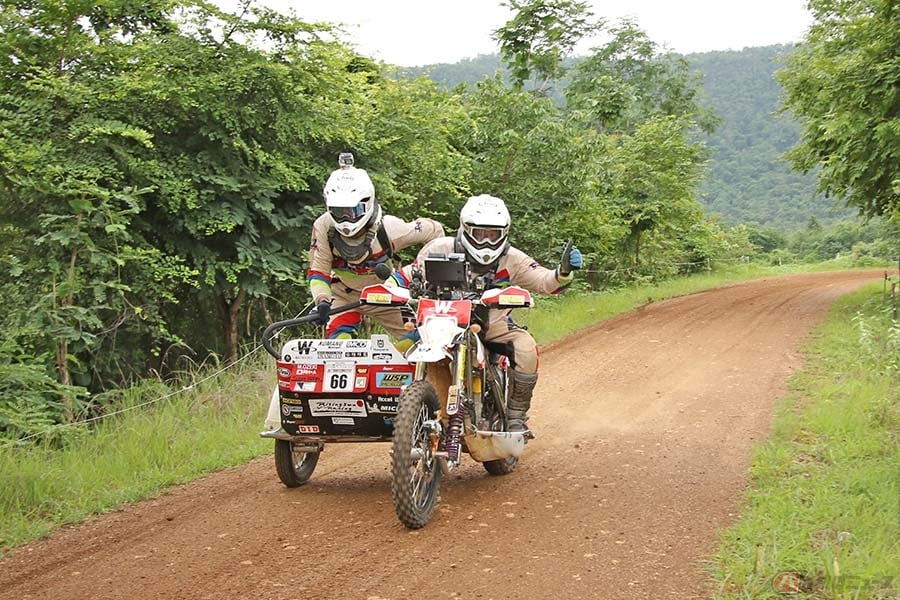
column 339, row 376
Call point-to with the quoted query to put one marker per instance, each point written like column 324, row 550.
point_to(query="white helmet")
column 350, row 198
column 484, row 228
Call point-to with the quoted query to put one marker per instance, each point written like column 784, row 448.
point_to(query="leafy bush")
column 31, row 400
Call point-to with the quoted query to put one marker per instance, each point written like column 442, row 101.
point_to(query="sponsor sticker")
column 330, row 344
column 378, row 298
column 322, row 407
column 510, row 299
column 306, row 369
column 382, row 356
column 342, row 420
column 360, row 382
column 356, row 344
column 330, row 355
column 453, row 400
column 305, row 386
column 308, row 428
column 284, row 372
column 392, row 380
column 304, row 347
column 383, row 404
column 355, row 354
column 389, row 407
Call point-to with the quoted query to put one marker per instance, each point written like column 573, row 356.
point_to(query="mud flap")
column 273, row 417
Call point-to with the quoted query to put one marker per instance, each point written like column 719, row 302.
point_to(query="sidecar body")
column 339, row 390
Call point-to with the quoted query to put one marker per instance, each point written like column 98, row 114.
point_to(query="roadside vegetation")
column 822, row 517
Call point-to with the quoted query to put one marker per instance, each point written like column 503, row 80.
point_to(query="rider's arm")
column 526, row 272
column 318, row 276
column 404, row 234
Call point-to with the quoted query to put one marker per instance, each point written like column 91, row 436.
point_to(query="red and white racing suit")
column 331, row 276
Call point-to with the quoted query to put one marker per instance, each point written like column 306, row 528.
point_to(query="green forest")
column 162, row 163
column 748, row 178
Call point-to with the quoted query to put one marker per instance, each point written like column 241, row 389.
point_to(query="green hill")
column 749, row 181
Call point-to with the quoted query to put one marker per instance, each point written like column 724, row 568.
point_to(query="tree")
column 540, row 35
column 543, row 164
column 628, row 80
column 66, row 198
column 655, row 175
column 843, row 81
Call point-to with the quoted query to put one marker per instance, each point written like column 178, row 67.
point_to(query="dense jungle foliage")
column 161, row 164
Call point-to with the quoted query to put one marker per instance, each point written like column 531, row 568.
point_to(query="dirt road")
column 645, row 427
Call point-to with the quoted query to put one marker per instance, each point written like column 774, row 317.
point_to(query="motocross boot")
column 519, row 401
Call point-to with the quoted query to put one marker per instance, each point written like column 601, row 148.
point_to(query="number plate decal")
column 339, row 376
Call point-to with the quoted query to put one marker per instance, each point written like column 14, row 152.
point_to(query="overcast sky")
column 419, row 32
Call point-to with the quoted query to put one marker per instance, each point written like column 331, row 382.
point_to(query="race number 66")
column 338, row 377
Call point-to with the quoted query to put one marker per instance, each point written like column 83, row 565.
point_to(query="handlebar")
column 308, row 318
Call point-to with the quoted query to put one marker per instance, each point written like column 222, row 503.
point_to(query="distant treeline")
column 748, row 180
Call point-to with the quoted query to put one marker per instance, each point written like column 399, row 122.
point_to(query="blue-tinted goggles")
column 351, row 214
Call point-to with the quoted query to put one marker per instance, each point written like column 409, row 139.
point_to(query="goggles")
column 486, row 235
column 348, row 214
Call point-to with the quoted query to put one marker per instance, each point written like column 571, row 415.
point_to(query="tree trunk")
column 62, row 344
column 65, row 377
column 637, row 249
column 230, row 310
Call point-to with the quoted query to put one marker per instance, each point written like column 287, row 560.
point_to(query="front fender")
column 428, row 354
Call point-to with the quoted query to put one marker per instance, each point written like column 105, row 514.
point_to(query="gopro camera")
column 345, row 159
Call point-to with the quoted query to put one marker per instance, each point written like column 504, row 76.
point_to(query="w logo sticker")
column 443, row 307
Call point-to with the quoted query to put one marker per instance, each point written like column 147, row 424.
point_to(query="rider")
column 484, row 239
column 348, row 242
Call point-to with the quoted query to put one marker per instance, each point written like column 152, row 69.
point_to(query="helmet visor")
column 487, row 236
column 348, row 214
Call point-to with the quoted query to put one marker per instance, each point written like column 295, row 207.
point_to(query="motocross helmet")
column 484, row 228
column 350, row 198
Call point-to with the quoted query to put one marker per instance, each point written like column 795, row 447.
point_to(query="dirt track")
column 645, row 426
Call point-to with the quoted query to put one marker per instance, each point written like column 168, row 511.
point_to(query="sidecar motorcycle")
column 446, row 396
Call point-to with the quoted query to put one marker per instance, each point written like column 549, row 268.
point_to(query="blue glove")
column 575, row 259
column 323, row 308
column 574, row 262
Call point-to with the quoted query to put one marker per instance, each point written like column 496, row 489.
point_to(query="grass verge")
column 79, row 471
column 822, row 517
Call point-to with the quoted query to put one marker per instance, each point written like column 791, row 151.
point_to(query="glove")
column 571, row 263
column 322, row 310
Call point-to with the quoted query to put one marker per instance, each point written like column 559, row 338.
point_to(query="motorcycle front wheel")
column 415, row 472
column 293, row 466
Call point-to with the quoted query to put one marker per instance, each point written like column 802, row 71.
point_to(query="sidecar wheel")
column 294, row 467
column 415, row 471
